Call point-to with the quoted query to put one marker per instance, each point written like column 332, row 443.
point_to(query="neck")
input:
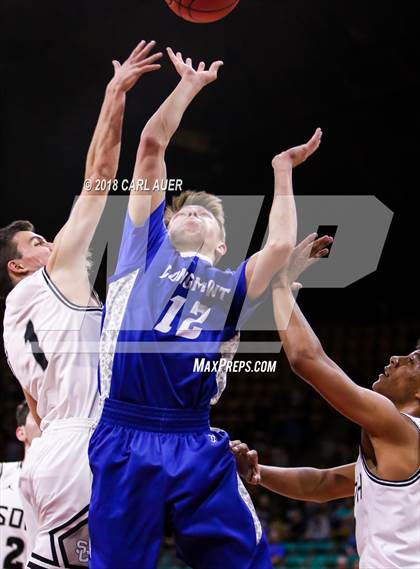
column 16, row 279
column 411, row 408
column 188, row 248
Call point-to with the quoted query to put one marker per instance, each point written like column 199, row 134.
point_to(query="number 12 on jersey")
column 188, row 327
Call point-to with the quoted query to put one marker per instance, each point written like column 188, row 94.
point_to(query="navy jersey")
column 164, row 309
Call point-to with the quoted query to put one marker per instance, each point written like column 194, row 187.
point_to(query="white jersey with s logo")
column 52, row 348
column 387, row 518
column 13, row 538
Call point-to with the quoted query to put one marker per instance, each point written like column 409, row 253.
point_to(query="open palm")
column 305, row 254
column 186, row 69
column 139, row 62
column 298, row 154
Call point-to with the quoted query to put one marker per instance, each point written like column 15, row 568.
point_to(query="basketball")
column 202, row 11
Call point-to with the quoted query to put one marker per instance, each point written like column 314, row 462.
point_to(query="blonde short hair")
column 209, row 201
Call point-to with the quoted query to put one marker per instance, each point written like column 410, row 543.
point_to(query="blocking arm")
column 282, row 226
column 372, row 411
column 150, row 167
column 73, row 240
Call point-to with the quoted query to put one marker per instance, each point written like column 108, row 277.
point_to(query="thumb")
column 296, row 287
column 116, row 64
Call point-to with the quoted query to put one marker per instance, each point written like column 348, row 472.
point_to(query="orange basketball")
column 202, row 11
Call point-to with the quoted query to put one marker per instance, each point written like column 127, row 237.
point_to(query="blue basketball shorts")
column 153, row 466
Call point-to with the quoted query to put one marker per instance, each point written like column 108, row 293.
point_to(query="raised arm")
column 282, row 222
column 150, row 165
column 67, row 263
column 303, row 483
column 370, row 410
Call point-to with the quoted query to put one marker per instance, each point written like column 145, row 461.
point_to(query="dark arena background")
column 290, row 66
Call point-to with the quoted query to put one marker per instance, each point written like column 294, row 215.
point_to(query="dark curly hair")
column 22, row 411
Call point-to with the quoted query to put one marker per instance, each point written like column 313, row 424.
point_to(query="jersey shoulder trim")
column 7, row 467
column 395, row 483
column 65, row 300
column 413, row 420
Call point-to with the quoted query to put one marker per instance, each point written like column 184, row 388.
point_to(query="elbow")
column 102, row 170
column 301, row 360
column 151, row 144
column 280, row 251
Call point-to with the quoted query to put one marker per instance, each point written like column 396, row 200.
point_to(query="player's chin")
column 192, row 226
column 194, row 234
column 378, row 385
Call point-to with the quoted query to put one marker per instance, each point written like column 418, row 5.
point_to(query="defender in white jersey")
column 385, row 480
column 51, row 337
column 15, row 536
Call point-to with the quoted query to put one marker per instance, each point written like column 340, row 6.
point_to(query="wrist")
column 282, row 282
column 115, row 87
column 262, row 469
column 282, row 162
column 191, row 82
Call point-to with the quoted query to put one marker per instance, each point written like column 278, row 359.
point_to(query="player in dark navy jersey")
column 153, row 455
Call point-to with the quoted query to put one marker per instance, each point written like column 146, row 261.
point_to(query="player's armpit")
column 32, row 404
column 310, row 484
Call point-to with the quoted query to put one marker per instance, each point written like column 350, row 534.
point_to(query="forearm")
column 104, row 150
column 309, row 361
column 310, row 484
column 298, row 339
column 282, row 227
column 150, row 160
column 164, row 123
column 73, row 240
column 295, row 483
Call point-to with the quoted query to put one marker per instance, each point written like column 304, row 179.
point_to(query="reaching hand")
column 298, row 154
column 305, row 254
column 139, row 62
column 246, row 462
column 186, row 69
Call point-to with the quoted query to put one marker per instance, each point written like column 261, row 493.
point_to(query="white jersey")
column 387, row 519
column 52, row 348
column 13, row 550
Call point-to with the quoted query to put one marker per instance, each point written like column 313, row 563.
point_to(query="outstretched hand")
column 305, row 254
column 200, row 75
column 246, row 462
column 298, row 154
column 139, row 62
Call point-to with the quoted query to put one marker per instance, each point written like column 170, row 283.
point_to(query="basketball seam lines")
column 180, row 5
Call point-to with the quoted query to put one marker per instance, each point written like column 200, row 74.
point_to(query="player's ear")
column 20, row 434
column 16, row 268
column 221, row 250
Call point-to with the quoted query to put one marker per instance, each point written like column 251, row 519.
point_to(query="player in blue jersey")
column 154, row 457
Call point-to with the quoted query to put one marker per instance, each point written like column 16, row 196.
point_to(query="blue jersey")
column 164, row 311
